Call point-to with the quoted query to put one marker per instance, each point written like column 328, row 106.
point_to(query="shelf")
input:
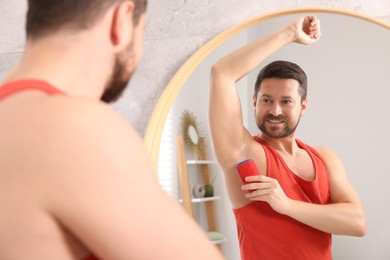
column 199, row 200
column 200, row 162
column 206, row 199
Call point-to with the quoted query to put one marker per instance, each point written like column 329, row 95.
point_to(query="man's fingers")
column 257, row 194
column 314, row 22
column 258, row 178
column 312, row 18
column 253, row 178
column 256, row 186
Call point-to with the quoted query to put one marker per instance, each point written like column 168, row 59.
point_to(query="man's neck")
column 287, row 145
column 72, row 68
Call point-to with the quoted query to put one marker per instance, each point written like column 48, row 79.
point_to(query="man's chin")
column 273, row 136
column 276, row 134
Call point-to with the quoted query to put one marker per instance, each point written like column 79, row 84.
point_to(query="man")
column 75, row 181
column 302, row 195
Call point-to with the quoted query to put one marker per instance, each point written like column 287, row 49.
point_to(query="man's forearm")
column 338, row 218
column 242, row 61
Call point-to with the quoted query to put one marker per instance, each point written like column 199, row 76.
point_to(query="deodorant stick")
column 247, row 168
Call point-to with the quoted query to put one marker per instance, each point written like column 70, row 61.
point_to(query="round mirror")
column 348, row 89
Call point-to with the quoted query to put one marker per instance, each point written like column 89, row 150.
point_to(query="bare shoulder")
column 52, row 130
column 88, row 142
column 83, row 113
column 328, row 154
column 91, row 129
column 341, row 189
column 333, row 163
column 89, row 125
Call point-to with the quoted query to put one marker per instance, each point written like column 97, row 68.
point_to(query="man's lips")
column 275, row 121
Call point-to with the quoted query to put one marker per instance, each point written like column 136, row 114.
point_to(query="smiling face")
column 278, row 107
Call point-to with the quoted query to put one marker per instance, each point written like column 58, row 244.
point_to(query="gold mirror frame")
column 156, row 123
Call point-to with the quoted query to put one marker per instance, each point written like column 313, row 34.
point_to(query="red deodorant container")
column 247, row 168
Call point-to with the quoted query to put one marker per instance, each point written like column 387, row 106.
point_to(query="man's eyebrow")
column 284, row 97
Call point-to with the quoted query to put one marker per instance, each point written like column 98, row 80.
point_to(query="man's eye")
column 286, row 102
column 266, row 100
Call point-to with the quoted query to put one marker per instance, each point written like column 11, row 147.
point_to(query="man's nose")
column 276, row 109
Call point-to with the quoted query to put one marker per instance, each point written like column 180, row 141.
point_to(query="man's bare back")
column 26, row 220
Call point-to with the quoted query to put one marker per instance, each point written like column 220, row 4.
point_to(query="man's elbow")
column 360, row 228
column 216, row 69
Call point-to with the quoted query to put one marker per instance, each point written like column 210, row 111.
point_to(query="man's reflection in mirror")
column 302, row 195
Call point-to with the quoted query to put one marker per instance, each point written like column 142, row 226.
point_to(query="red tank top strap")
column 27, row 84
column 257, row 139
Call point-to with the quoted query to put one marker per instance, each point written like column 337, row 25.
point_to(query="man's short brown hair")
column 47, row 16
column 283, row 70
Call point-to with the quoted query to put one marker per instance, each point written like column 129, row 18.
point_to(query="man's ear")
column 304, row 106
column 254, row 100
column 122, row 24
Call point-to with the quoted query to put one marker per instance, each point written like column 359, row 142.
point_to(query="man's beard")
column 121, row 75
column 272, row 131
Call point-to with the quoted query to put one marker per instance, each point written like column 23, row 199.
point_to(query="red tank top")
column 32, row 84
column 27, row 84
column 265, row 234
